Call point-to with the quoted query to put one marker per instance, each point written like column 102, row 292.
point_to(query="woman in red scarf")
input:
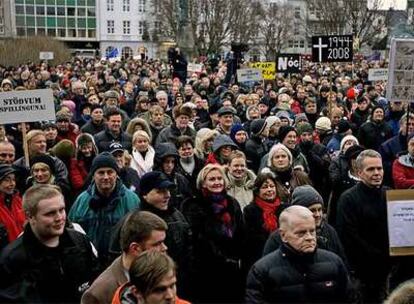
column 261, row 216
column 218, row 233
column 12, row 216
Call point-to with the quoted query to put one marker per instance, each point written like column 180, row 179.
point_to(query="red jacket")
column 403, row 172
column 12, row 218
column 77, row 174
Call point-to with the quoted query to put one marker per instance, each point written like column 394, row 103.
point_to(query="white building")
column 125, row 26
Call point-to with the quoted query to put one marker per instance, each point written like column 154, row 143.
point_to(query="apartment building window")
column 127, row 27
column 290, row 43
column 111, row 26
column 125, row 5
column 141, row 27
column 297, row 12
column 141, row 6
column 110, row 5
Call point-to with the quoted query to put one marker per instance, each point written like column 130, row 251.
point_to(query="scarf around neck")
column 219, row 206
column 268, row 213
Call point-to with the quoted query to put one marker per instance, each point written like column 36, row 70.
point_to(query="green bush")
column 20, row 50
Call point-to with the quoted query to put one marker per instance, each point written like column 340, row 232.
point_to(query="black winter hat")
column 104, row 160
column 6, row 170
column 284, row 130
column 343, row 126
column 46, row 159
column 258, row 126
column 154, row 180
column 353, row 151
column 306, row 196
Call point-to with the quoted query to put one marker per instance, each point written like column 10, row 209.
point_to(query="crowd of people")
column 149, row 188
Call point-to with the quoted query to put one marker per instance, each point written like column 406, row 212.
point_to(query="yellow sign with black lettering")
column 268, row 69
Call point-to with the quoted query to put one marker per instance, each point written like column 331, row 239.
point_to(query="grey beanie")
column 306, row 196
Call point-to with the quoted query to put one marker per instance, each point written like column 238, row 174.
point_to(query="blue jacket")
column 98, row 215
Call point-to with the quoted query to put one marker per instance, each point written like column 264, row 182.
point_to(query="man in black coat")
column 362, row 227
column 298, row 272
column 49, row 263
column 255, row 145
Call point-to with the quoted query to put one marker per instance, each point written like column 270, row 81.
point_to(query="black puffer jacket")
column 326, row 238
column 33, row 273
column 372, row 134
column 255, row 149
column 286, row 276
column 104, row 138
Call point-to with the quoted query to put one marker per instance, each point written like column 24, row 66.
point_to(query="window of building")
column 81, row 12
column 127, row 27
column 290, row 43
column 81, row 33
column 30, row 31
column 141, row 6
column 125, row 5
column 51, row 32
column 71, row 32
column 110, row 25
column 141, row 27
column 41, row 31
column 20, row 9
column 40, row 10
column 301, row 44
column 91, row 33
column 297, row 12
column 51, row 10
column 110, row 5
column 91, row 12
column 62, row 32
column 157, row 26
column 296, row 43
column 29, row 10
column 127, row 52
column 71, row 11
column 60, row 11
column 21, row 31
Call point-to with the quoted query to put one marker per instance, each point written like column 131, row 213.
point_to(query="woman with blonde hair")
column 218, row 233
column 204, row 142
column 142, row 153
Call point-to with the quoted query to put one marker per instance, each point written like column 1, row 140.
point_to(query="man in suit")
column 141, row 231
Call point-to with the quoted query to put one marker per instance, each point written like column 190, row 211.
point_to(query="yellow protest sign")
column 268, row 69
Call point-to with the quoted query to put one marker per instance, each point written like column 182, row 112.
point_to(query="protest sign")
column 400, row 213
column 246, row 75
column 338, row 48
column 400, row 85
column 267, row 68
column 26, row 106
column 377, row 74
column 194, row 68
column 46, row 55
column 289, row 63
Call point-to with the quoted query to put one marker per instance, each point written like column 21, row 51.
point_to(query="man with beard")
column 298, row 270
column 189, row 165
column 65, row 130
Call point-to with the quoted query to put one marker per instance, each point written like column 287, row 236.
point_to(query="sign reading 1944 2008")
column 337, row 48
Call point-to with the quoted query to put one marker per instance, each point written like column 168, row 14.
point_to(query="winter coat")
column 390, row 151
column 30, row 272
column 217, row 256
column 78, row 174
column 241, row 190
column 255, row 149
column 358, row 118
column 191, row 178
column 70, row 135
column 403, row 172
column 285, row 276
column 335, row 142
column 256, row 234
column 171, row 133
column 12, row 218
column 372, row 134
column 326, row 236
column 98, row 215
column 362, row 228
column 178, row 239
column 104, row 138
column 93, row 128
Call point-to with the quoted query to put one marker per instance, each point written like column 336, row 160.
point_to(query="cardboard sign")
column 377, row 74
column 46, row 55
column 194, row 67
column 27, row 106
column 289, row 63
column 338, row 48
column 267, row 68
column 246, row 75
column 400, row 214
column 400, row 85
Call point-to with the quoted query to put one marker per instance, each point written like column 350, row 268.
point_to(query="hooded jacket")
column 241, row 190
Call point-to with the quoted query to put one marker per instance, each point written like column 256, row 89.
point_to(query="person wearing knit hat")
column 284, row 131
column 304, row 128
column 257, row 127
column 300, row 118
column 103, row 204
column 342, row 129
column 326, row 236
column 239, row 136
column 284, row 117
column 64, row 149
column 256, row 145
column 42, row 170
column 273, row 124
column 348, row 141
